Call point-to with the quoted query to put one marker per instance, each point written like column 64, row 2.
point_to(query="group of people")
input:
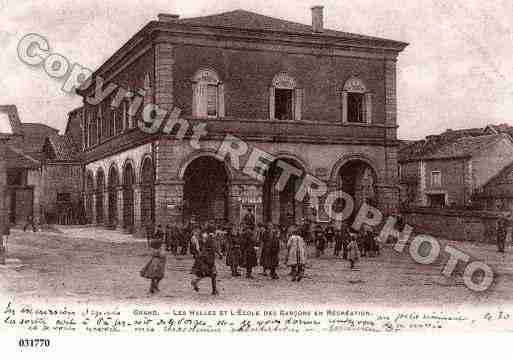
column 244, row 247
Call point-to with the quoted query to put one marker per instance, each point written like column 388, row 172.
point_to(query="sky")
column 456, row 73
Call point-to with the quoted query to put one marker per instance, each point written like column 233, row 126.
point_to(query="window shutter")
column 271, row 103
column 344, row 107
column 220, row 95
column 195, row 95
column 368, row 107
column 298, row 104
column 202, row 99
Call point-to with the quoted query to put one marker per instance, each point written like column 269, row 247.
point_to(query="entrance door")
column 206, row 190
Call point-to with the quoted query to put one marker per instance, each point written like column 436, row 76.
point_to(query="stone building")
column 319, row 100
column 23, row 167
column 451, row 168
column 62, row 174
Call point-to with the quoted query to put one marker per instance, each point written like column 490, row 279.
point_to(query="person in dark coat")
column 346, row 238
column 271, row 258
column 249, row 251
column 184, row 237
column 205, row 263
column 320, row 241
column 339, row 241
column 233, row 257
column 502, row 230
column 329, row 233
column 30, row 223
column 262, row 240
column 155, row 268
column 249, row 219
column 168, row 240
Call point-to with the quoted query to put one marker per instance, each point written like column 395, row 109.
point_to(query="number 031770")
column 34, row 343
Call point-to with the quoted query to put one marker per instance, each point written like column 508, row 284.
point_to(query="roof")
column 60, row 148
column 247, row 20
column 446, row 148
column 10, row 114
column 74, row 125
column 34, row 135
column 17, row 159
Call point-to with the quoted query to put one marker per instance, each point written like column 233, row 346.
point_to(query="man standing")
column 502, row 228
column 249, row 251
column 249, row 219
column 320, row 241
column 30, row 222
column 270, row 250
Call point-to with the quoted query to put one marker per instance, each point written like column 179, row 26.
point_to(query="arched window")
column 285, row 99
column 208, row 95
column 93, row 129
column 356, row 102
column 85, row 129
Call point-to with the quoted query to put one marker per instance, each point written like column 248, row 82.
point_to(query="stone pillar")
column 120, row 208
column 106, row 207
column 390, row 93
column 93, row 211
column 164, row 62
column 169, row 203
column 275, row 205
column 139, row 230
column 242, row 192
column 3, row 199
column 387, row 199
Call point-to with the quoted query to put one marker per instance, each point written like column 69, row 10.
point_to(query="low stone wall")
column 460, row 225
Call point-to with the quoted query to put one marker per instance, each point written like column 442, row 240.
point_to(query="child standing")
column 155, row 268
column 205, row 262
column 353, row 253
column 296, row 255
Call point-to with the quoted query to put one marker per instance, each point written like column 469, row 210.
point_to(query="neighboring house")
column 23, row 167
column 497, row 193
column 62, row 174
column 448, row 170
column 320, row 100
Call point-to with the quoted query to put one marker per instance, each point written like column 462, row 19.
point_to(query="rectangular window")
column 436, row 200
column 355, row 108
column 63, row 197
column 211, row 100
column 283, row 104
column 436, row 179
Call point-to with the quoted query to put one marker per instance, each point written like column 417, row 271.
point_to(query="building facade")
column 317, row 100
column 450, row 170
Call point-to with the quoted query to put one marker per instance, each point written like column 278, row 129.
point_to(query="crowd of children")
column 247, row 246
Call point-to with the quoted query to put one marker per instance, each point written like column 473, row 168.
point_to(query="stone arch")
column 282, row 80
column 100, row 189
column 129, row 179
column 279, row 204
column 147, row 184
column 89, row 193
column 112, row 187
column 335, row 169
column 357, row 176
column 295, row 158
column 206, row 75
column 354, row 84
column 202, row 153
column 206, row 189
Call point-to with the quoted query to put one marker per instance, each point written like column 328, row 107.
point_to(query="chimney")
column 168, row 17
column 317, row 18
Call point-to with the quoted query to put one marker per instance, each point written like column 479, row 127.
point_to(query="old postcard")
column 173, row 168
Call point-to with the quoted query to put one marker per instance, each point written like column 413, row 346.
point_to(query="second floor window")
column 285, row 99
column 436, row 179
column 356, row 102
column 208, row 94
